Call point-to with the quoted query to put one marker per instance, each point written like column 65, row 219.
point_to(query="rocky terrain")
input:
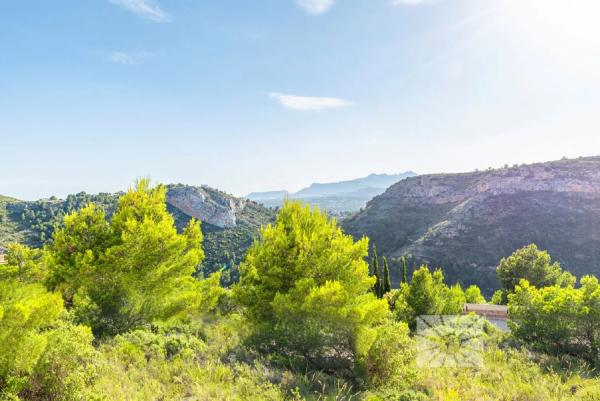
column 466, row 223
column 206, row 204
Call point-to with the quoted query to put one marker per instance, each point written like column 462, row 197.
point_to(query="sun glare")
column 557, row 19
column 565, row 33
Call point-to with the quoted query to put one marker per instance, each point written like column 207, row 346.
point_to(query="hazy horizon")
column 308, row 184
column 247, row 98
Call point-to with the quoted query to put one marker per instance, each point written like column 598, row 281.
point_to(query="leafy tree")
column 499, row 298
column 307, row 292
column 473, row 295
column 387, row 281
column 453, row 299
column 77, row 250
column 558, row 320
column 23, row 264
column 127, row 273
column 533, row 265
column 427, row 295
column 424, row 292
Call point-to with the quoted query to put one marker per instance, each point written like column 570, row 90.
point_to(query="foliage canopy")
column 307, row 291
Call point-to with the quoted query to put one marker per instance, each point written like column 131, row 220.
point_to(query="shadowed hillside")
column 466, row 223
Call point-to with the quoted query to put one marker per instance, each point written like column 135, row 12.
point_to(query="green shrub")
column 67, row 367
column 389, row 362
column 557, row 320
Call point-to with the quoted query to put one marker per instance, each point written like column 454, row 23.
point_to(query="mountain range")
column 464, row 223
column 335, row 197
column 467, row 222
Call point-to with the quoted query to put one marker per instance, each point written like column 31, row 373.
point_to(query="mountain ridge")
column 341, row 197
column 349, row 186
column 466, row 222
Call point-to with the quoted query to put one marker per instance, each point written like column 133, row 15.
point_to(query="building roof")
column 486, row 307
column 488, row 310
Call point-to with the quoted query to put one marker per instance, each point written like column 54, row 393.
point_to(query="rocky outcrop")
column 206, row 204
column 569, row 176
column 467, row 222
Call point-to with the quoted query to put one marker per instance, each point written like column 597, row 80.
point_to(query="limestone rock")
column 206, row 204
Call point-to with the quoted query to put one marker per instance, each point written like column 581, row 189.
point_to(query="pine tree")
column 377, row 288
column 404, row 273
column 322, row 322
column 387, row 282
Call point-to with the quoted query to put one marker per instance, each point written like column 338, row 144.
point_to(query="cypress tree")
column 377, row 287
column 404, row 273
column 387, row 281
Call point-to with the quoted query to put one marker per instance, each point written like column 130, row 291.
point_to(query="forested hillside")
column 465, row 223
column 228, row 223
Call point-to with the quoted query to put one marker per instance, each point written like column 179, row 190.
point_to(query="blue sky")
column 276, row 94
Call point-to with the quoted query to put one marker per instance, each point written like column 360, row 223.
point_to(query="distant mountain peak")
column 343, row 196
column 373, row 180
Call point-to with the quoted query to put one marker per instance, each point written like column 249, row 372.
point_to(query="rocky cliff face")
column 565, row 176
column 467, row 222
column 206, row 204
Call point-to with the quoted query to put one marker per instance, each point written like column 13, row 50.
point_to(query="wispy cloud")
column 399, row 3
column 316, row 7
column 307, row 103
column 144, row 8
column 128, row 58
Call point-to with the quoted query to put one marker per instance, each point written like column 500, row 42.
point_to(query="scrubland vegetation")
column 110, row 309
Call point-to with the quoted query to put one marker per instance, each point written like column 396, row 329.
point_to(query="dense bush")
column 27, row 311
column 67, row 367
column 42, row 356
column 557, row 320
column 389, row 363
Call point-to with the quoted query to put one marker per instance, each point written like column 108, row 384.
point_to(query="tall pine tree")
column 404, row 273
column 377, row 288
column 387, row 281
